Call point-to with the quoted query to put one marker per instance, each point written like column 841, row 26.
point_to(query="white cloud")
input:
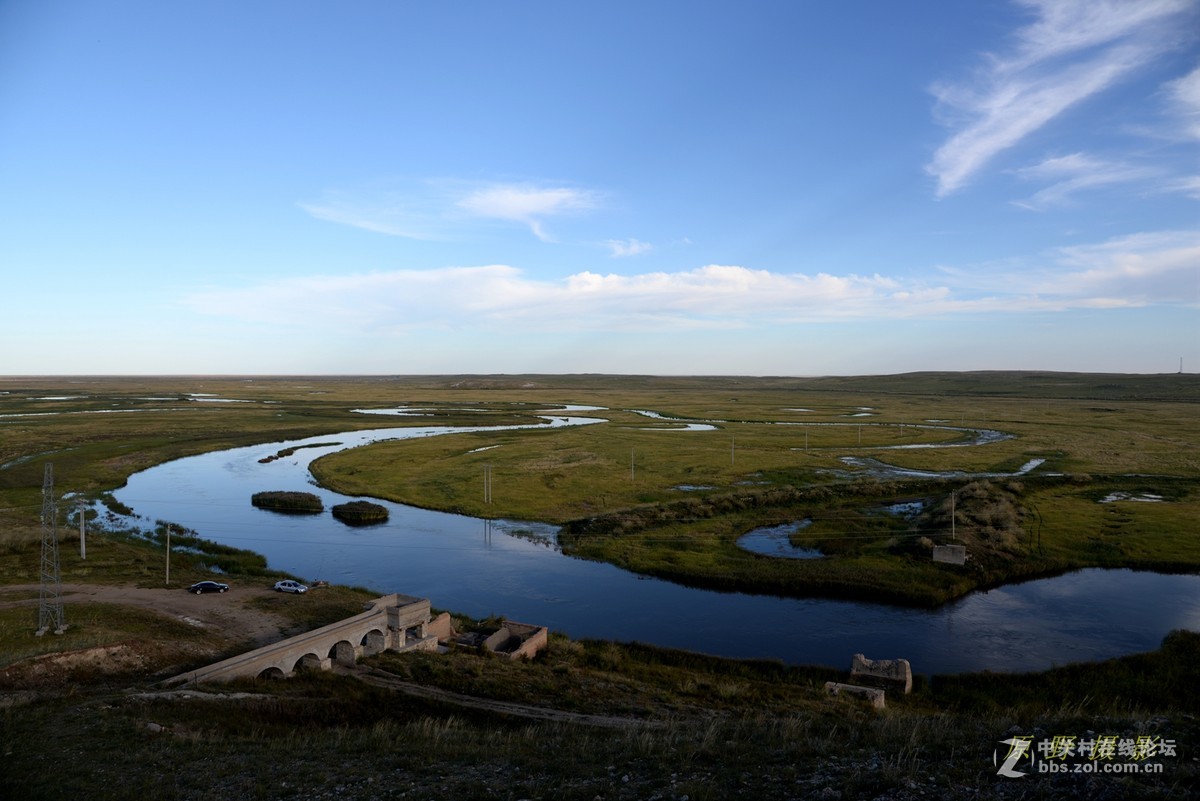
column 528, row 204
column 1184, row 94
column 1188, row 185
column 1145, row 269
column 1073, row 51
column 712, row 296
column 620, row 248
column 406, row 214
column 1075, row 173
column 1067, row 26
column 1142, row 269
column 438, row 209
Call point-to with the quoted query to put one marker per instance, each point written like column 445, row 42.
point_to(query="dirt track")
column 227, row 613
column 381, row 678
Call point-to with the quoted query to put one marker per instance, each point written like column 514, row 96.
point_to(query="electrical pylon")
column 50, row 606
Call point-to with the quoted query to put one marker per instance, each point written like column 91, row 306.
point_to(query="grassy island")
column 360, row 513
column 295, row 502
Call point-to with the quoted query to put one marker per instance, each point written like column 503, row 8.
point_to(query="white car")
column 287, row 585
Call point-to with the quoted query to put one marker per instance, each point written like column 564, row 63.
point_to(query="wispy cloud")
column 621, row 248
column 528, row 204
column 1074, row 50
column 1131, row 271
column 1074, row 173
column 1138, row 270
column 416, row 213
column 436, row 209
column 1184, row 96
column 1188, row 185
column 1144, row 269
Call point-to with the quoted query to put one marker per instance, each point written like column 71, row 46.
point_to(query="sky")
column 677, row 188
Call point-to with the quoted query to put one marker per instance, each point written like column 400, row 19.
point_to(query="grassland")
column 644, row 491
column 651, row 496
column 700, row 727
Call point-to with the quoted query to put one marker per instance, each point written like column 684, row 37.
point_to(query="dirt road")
column 230, row 613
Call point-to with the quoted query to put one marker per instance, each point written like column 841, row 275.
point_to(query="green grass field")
column 707, row 728
column 772, row 453
column 640, row 492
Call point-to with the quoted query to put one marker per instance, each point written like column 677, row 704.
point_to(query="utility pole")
column 167, row 581
column 80, row 507
column 487, row 483
column 732, row 451
column 50, row 606
column 953, row 535
column 631, row 471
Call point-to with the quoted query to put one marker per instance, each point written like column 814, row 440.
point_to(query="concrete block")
column 441, row 627
column 886, row 672
column 950, row 554
column 873, row 695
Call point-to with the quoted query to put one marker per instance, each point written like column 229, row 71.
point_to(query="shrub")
column 357, row 513
column 302, row 502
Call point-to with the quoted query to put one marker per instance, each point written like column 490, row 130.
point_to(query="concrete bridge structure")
column 393, row 622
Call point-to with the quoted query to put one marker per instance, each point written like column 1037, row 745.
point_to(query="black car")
column 208, row 586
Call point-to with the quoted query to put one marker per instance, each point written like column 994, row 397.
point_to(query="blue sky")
column 774, row 188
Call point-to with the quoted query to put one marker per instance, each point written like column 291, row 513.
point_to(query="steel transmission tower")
column 50, row 607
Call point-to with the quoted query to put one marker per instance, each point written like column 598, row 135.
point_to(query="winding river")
column 481, row 568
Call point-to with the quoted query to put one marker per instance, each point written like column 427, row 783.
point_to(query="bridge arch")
column 373, row 642
column 309, row 661
column 343, row 653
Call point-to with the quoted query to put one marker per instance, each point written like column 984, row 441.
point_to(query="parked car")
column 287, row 585
column 208, row 586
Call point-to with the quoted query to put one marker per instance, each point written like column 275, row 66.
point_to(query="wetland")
column 1117, row 490
column 737, row 603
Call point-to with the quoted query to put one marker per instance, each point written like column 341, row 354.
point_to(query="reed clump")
column 360, row 513
column 283, row 501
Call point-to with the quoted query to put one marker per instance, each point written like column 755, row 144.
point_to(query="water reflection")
column 777, row 541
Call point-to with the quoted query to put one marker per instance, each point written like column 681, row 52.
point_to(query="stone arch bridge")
column 393, row 622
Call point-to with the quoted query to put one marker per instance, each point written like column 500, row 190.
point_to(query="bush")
column 358, row 513
column 301, row 502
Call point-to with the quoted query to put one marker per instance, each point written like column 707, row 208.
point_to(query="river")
column 478, row 568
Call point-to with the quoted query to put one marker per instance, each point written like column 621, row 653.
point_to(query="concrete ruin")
column 888, row 673
column 511, row 640
column 872, row 695
column 950, row 554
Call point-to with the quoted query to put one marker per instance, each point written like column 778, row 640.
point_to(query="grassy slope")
column 709, row 729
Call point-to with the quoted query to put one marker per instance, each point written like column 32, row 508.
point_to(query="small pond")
column 777, row 541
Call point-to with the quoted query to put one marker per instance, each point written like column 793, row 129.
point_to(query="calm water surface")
column 478, row 568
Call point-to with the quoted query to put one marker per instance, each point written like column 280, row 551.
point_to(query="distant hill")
column 1182, row 387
